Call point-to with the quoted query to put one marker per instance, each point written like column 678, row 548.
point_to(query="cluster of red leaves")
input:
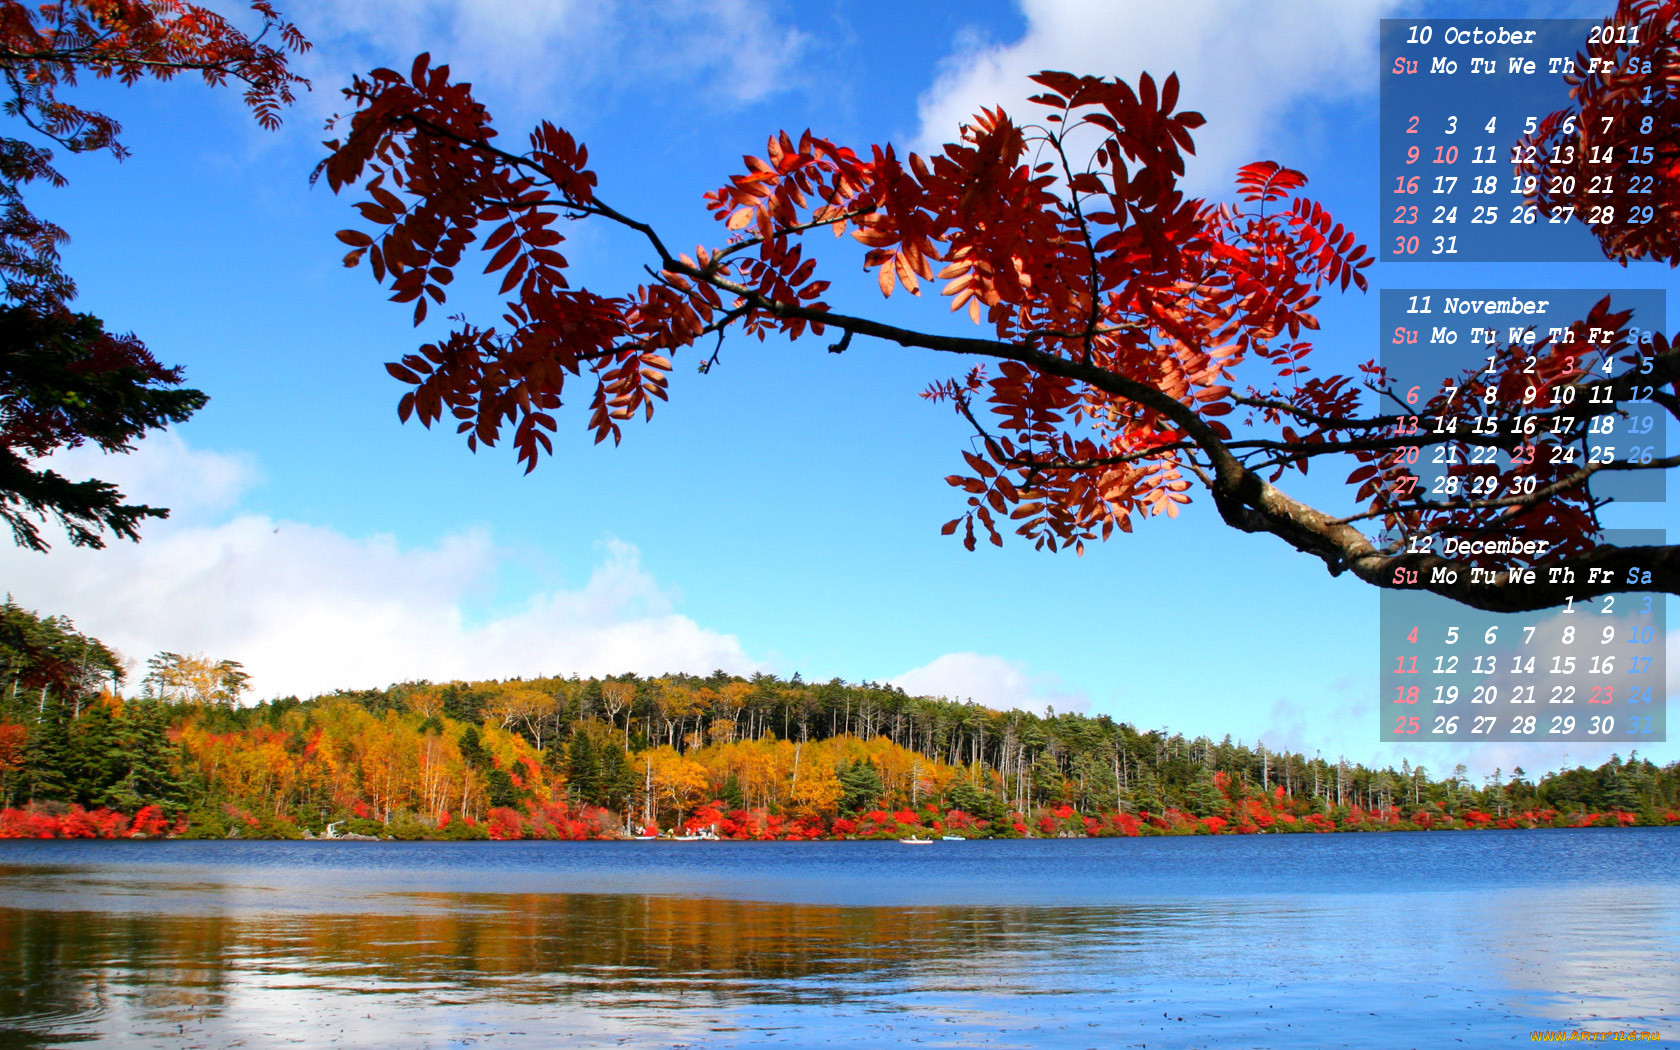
column 1062, row 821
column 12, row 739
column 758, row 825
column 1170, row 820
column 879, row 824
column 1109, row 825
column 755, row 825
column 550, row 820
column 426, row 139
column 1105, row 266
column 1167, row 302
column 1115, row 310
column 79, row 823
column 1625, row 111
column 131, row 39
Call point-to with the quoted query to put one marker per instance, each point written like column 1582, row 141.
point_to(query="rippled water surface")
column 1392, row 940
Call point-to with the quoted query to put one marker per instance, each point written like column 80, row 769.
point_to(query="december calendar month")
column 1592, row 669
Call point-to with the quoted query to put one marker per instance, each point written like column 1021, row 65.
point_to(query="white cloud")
column 307, row 609
column 1242, row 65
column 989, row 680
column 536, row 53
column 190, row 482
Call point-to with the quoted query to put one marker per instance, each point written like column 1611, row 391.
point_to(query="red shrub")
column 149, row 821
column 505, row 824
column 40, row 822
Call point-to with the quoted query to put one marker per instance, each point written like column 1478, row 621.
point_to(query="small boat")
column 914, row 841
column 952, row 838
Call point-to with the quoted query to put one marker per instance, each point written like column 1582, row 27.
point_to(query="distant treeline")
column 753, row 757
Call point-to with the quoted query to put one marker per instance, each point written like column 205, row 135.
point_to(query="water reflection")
column 161, row 959
column 453, row 969
column 664, row 951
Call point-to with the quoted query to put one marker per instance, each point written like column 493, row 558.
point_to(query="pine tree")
column 501, row 789
column 1204, row 798
column 618, row 779
column 974, row 802
column 862, row 786
column 472, row 748
column 583, row 777
column 48, row 761
column 151, row 760
column 98, row 759
column 730, row 794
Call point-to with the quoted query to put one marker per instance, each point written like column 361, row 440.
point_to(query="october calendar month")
column 1463, row 107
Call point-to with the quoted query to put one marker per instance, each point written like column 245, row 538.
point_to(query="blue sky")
column 782, row 512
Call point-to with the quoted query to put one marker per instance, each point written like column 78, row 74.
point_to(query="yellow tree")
column 815, row 790
column 675, row 703
column 426, row 702
column 388, row 751
column 727, row 704
column 196, row 679
column 678, row 780
column 519, row 704
column 616, row 697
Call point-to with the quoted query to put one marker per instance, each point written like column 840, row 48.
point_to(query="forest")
column 180, row 755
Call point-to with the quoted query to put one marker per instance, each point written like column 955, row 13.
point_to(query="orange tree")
column 1114, row 316
column 65, row 381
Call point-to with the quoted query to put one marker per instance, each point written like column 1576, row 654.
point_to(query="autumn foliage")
column 761, row 759
column 1114, row 313
column 74, row 822
column 286, row 772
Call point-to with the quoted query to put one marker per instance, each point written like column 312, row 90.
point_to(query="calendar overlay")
column 1593, row 667
column 1544, row 346
column 1461, row 99
column 1586, row 670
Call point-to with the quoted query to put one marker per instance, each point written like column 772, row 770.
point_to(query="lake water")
column 1382, row 940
